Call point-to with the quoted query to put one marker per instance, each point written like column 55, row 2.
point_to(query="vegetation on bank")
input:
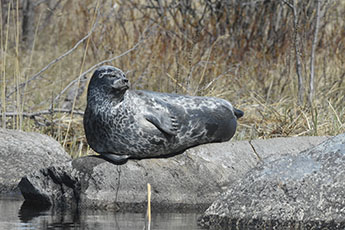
column 242, row 51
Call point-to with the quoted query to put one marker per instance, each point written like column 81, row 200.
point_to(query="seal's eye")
column 103, row 74
column 110, row 75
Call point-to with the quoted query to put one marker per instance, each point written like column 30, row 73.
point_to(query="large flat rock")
column 22, row 153
column 295, row 191
column 193, row 179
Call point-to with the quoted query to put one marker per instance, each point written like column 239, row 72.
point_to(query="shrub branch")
column 36, row 75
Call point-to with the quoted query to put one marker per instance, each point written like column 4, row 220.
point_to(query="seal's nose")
column 238, row 113
column 125, row 83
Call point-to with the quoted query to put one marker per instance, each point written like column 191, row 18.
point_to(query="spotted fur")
column 140, row 124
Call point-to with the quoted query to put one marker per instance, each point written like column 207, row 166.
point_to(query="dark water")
column 15, row 215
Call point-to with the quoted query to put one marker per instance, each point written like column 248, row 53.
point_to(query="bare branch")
column 298, row 56
column 288, row 4
column 38, row 118
column 297, row 44
column 43, row 112
column 82, row 77
column 312, row 58
column 21, row 85
column 92, row 68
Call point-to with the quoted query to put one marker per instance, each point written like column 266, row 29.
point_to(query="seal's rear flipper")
column 238, row 113
column 115, row 159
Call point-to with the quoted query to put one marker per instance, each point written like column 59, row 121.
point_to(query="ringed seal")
column 120, row 123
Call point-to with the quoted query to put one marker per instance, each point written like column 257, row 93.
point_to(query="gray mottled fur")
column 141, row 124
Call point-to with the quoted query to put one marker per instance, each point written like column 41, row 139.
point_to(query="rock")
column 274, row 148
column 22, row 153
column 303, row 191
column 193, row 179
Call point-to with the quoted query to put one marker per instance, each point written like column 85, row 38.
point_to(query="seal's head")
column 110, row 80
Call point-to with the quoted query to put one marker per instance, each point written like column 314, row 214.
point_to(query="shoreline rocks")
column 192, row 180
column 281, row 182
column 22, row 153
column 303, row 190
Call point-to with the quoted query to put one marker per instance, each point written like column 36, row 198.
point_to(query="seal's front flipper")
column 115, row 159
column 167, row 125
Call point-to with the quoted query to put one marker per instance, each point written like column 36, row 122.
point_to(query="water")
column 16, row 215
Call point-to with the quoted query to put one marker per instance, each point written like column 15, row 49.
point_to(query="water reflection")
column 17, row 214
column 28, row 211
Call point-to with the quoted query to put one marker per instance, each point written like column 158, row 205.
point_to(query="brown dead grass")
column 174, row 56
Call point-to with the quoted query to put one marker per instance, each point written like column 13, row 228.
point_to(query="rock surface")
column 191, row 180
column 305, row 191
column 22, row 153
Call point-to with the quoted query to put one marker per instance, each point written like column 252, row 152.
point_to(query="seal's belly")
column 142, row 139
column 137, row 138
column 126, row 131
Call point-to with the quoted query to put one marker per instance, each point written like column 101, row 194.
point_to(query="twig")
column 177, row 83
column 4, row 50
column 312, row 58
column 297, row 41
column 37, row 116
column 207, row 61
column 148, row 213
column 95, row 16
column 21, row 85
column 92, row 68
column 335, row 113
column 42, row 112
column 213, row 81
column 288, row 4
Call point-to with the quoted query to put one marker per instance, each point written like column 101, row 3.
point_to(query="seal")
column 120, row 123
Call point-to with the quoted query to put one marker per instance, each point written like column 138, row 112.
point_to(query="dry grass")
column 247, row 66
